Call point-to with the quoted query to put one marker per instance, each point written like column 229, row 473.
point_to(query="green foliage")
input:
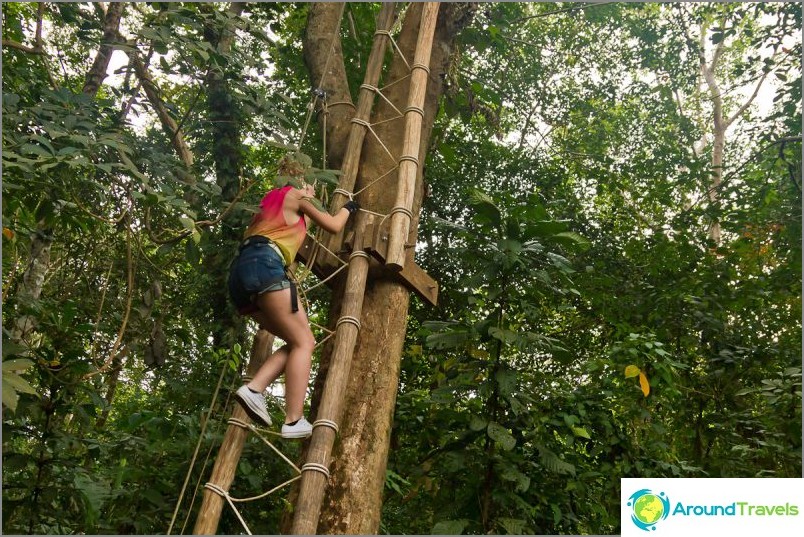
column 566, row 225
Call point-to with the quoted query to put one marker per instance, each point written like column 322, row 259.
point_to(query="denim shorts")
column 257, row 269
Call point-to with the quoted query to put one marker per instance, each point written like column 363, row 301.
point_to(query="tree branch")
column 747, row 103
column 8, row 43
column 152, row 92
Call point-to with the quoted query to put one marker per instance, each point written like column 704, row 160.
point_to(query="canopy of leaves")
column 588, row 328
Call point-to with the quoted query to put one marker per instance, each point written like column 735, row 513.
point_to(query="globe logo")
column 648, row 508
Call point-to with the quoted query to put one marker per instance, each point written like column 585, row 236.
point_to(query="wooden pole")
column 315, row 471
column 401, row 214
column 223, row 472
column 358, row 129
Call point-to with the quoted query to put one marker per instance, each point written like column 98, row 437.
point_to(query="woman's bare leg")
column 294, row 328
column 273, row 366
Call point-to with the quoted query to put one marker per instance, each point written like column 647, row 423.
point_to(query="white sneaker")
column 253, row 404
column 301, row 429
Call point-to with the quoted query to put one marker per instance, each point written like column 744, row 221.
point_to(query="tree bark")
column 169, row 124
column 354, row 498
column 111, row 32
column 323, row 56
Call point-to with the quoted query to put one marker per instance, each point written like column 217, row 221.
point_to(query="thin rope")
column 206, row 459
column 223, row 493
column 197, row 448
column 323, row 76
column 397, row 81
column 328, row 278
column 383, row 176
column 327, row 249
column 393, row 42
column 339, row 103
column 376, row 90
column 371, row 130
column 384, row 121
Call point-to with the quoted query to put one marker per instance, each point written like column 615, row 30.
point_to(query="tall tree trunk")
column 227, row 153
column 354, row 498
column 42, row 240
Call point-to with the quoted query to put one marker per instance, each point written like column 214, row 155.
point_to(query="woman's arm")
column 297, row 201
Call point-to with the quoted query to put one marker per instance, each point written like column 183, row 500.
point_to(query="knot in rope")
column 344, row 192
column 358, row 121
column 315, row 467
column 369, row 87
column 216, row 489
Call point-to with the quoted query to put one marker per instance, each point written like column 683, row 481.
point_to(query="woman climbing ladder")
column 259, row 286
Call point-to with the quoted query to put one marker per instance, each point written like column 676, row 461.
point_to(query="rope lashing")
column 404, row 210
column 315, row 467
column 358, row 253
column 377, row 90
column 216, row 489
column 343, row 192
column 367, row 125
column 410, row 158
column 423, row 67
column 326, row 423
column 348, row 319
column 361, row 122
column 393, row 42
column 239, row 423
column 416, row 109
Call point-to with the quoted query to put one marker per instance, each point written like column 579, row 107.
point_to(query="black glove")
column 351, row 206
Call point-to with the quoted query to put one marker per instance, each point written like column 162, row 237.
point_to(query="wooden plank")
column 325, row 263
column 412, row 275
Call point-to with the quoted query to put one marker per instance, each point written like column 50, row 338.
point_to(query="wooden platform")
column 375, row 244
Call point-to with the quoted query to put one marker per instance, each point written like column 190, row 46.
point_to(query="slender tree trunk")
column 42, row 240
column 111, row 31
column 227, row 153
